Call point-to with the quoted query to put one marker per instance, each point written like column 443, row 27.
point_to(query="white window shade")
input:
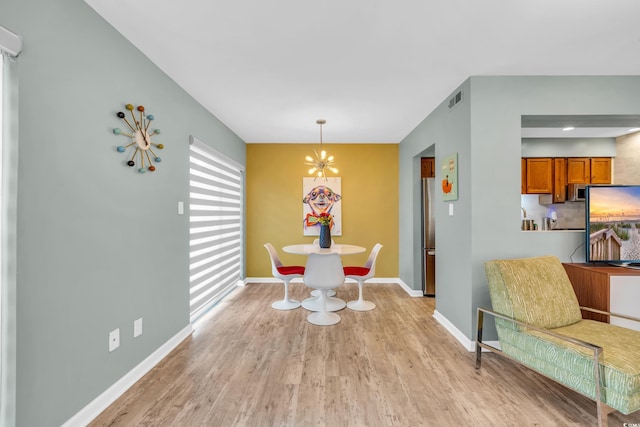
column 216, row 194
column 9, row 42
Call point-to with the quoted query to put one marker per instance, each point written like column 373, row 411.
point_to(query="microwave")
column 576, row 192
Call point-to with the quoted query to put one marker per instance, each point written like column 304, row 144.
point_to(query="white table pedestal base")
column 333, row 304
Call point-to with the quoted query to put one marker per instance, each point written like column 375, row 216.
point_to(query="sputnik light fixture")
column 321, row 161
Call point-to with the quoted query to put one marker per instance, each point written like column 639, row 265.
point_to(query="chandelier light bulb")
column 312, row 171
column 309, row 159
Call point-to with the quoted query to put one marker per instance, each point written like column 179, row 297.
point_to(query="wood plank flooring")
column 251, row 365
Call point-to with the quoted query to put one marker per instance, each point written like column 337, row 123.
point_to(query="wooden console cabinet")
column 613, row 289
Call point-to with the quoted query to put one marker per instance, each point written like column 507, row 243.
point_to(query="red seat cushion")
column 356, row 271
column 286, row 270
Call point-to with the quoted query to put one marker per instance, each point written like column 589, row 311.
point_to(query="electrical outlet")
column 114, row 339
column 137, row 327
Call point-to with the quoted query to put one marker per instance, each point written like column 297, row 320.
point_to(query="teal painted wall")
column 486, row 221
column 98, row 244
column 449, row 130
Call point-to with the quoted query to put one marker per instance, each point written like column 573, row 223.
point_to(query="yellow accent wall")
column 274, row 208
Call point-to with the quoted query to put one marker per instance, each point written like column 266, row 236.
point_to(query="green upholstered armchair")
column 540, row 325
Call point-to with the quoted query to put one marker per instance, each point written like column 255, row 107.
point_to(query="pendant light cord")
column 321, row 122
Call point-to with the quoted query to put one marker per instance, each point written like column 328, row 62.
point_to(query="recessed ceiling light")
column 568, row 128
column 633, row 130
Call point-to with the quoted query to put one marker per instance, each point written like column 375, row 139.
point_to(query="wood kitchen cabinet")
column 523, row 176
column 601, row 170
column 427, row 167
column 584, row 170
column 578, row 170
column 539, row 175
column 546, row 175
column 559, row 180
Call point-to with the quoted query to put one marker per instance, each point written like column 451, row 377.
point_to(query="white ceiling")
column 373, row 69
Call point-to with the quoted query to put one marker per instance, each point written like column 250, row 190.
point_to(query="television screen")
column 613, row 224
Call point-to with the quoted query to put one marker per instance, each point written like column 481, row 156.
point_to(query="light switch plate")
column 114, row 339
column 450, row 209
column 137, row 327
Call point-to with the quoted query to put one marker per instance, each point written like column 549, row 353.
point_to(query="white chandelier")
column 322, row 161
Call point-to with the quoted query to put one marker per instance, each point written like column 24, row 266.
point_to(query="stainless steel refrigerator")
column 428, row 237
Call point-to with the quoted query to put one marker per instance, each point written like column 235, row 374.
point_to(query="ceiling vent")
column 455, row 99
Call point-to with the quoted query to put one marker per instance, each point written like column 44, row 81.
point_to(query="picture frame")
column 321, row 196
column 449, row 172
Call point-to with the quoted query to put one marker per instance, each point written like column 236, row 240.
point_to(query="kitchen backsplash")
column 570, row 214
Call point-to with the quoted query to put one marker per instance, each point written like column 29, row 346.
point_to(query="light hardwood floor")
column 250, row 365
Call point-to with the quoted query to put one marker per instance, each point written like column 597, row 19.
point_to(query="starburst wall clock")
column 141, row 146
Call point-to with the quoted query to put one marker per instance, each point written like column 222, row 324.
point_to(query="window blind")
column 216, row 194
column 10, row 42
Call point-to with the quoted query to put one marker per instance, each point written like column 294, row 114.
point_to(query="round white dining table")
column 333, row 303
column 336, row 248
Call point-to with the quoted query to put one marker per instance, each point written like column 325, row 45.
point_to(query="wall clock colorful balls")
column 141, row 146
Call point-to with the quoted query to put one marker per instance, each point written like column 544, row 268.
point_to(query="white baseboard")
column 462, row 338
column 100, row 403
column 269, row 280
column 407, row 289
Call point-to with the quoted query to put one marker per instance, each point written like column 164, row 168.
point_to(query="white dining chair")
column 286, row 274
column 323, row 272
column 360, row 274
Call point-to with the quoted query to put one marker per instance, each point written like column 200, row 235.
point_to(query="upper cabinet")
column 427, row 167
column 523, row 176
column 547, row 175
column 559, row 180
column 582, row 170
column 601, row 170
column 539, row 176
column 578, row 170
